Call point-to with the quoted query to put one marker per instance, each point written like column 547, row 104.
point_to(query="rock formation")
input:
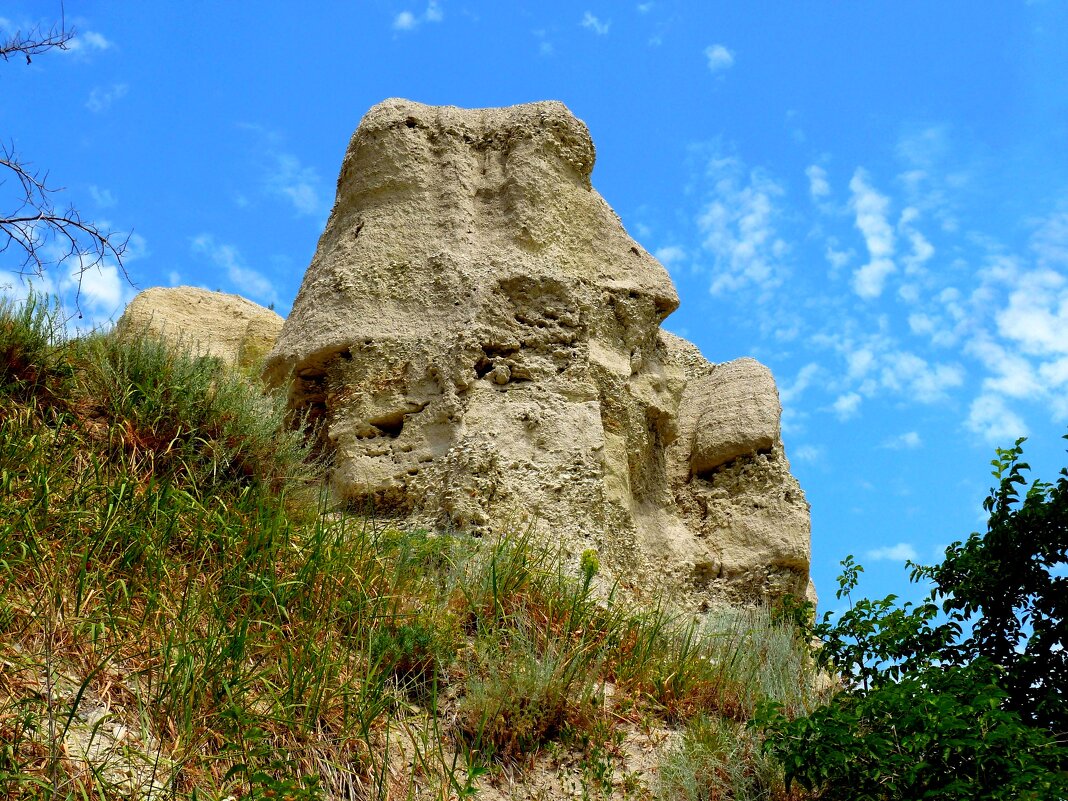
column 235, row 330
column 480, row 340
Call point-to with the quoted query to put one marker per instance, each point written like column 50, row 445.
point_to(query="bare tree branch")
column 47, row 236
column 36, row 41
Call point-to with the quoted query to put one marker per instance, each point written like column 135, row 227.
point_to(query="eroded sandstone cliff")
column 480, row 340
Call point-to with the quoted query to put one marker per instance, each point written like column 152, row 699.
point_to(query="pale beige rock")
column 235, row 330
column 739, row 413
column 480, row 339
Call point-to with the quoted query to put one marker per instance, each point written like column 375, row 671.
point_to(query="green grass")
column 182, row 617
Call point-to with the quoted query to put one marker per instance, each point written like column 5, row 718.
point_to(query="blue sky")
column 871, row 198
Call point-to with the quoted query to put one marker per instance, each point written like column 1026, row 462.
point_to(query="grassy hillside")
column 182, row 617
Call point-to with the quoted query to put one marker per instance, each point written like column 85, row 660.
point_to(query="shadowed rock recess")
column 480, row 340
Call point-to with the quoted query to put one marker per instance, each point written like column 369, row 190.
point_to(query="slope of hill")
column 181, row 616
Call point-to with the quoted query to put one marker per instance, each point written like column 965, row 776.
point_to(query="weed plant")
column 181, row 615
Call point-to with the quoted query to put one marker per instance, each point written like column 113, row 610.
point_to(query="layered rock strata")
column 479, row 340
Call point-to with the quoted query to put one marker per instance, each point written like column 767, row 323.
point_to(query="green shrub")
column 526, row 699
column 717, row 759
column 176, row 414
column 415, row 652
column 31, row 345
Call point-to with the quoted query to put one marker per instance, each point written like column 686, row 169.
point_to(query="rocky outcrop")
column 228, row 327
column 480, row 340
column 736, row 409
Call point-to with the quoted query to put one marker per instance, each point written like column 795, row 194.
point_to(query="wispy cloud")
column 592, row 23
column 102, row 288
column 991, row 418
column 92, row 292
column 86, row 42
column 901, row 552
column 915, row 377
column 286, row 177
column 910, row 440
column 101, row 98
column 103, row 198
column 719, row 58
column 870, row 209
column 408, row 20
column 244, row 279
column 846, row 406
column 300, row 185
column 738, row 228
column 404, row 21
column 670, row 255
column 818, row 186
column 810, row 454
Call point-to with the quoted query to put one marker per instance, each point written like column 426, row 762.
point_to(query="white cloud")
column 910, row 440
column 846, row 406
column 85, row 42
column 670, row 255
column 102, row 288
column 719, row 57
column 921, row 249
column 590, row 22
column 644, row 8
column 91, row 291
column 247, row 281
column 818, row 186
column 901, row 552
column 1011, row 374
column 17, row 286
column 835, row 257
column 101, row 197
column 136, row 248
column 298, row 184
column 792, row 391
column 917, row 378
column 286, row 177
column 407, row 21
column 870, row 209
column 1050, row 242
column 738, row 226
column 101, row 98
column 808, row 453
column 404, row 21
column 991, row 418
column 1036, row 318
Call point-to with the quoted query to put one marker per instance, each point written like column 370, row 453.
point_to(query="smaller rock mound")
column 228, row 327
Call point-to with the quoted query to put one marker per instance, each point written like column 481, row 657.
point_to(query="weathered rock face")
column 228, row 327
column 481, row 341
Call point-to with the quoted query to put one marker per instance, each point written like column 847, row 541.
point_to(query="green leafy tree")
column 1011, row 585
column 963, row 695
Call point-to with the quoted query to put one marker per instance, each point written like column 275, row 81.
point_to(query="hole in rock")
column 635, row 251
column 411, row 122
column 389, row 424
